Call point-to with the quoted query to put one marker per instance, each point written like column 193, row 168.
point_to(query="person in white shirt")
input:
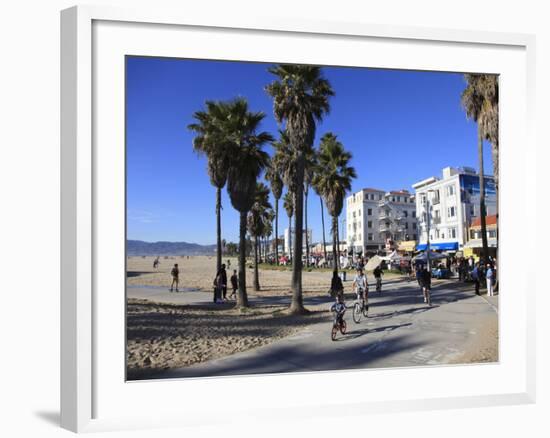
column 360, row 286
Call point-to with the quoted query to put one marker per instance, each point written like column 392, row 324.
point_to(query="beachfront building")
column 379, row 220
column 453, row 203
column 288, row 242
column 474, row 245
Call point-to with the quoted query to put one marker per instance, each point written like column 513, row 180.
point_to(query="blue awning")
column 443, row 246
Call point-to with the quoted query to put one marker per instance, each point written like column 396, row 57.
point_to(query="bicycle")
column 360, row 309
column 339, row 324
column 379, row 285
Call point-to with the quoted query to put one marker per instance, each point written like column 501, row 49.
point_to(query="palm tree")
column 274, row 177
column 333, row 180
column 480, row 101
column 300, row 98
column 259, row 217
column 246, row 162
column 309, row 171
column 288, row 205
column 209, row 141
column 322, row 220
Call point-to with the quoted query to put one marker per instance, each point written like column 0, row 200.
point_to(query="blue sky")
column 400, row 126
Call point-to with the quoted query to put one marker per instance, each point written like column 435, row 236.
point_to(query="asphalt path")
column 401, row 331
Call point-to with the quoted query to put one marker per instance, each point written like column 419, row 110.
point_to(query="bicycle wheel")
column 343, row 327
column 357, row 313
column 334, row 332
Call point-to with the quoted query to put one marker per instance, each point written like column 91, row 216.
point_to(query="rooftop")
column 489, row 220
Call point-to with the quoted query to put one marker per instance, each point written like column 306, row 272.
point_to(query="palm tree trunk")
column 242, row 298
column 482, row 208
column 338, row 243
column 289, row 249
column 307, row 234
column 297, row 304
column 277, row 231
column 218, row 229
column 323, row 224
column 256, row 276
column 334, row 239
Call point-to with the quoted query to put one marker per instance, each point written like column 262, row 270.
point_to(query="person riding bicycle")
column 378, row 276
column 361, row 286
column 425, row 280
column 339, row 308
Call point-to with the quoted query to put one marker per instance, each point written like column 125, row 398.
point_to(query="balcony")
column 385, row 228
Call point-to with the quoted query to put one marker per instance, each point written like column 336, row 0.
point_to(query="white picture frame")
column 84, row 183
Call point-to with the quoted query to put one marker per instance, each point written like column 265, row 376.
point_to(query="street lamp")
column 428, row 250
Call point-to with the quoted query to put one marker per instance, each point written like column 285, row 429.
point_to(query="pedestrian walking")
column 489, row 275
column 175, row 278
column 220, row 285
column 475, row 277
column 234, row 284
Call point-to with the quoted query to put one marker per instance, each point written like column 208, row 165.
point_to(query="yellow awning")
column 408, row 245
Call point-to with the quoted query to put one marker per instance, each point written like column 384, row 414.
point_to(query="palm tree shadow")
column 358, row 333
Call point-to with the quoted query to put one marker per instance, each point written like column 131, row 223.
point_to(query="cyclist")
column 361, row 287
column 425, row 280
column 378, row 276
column 339, row 308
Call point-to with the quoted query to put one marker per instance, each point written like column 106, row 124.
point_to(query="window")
column 370, row 236
column 437, row 214
column 437, row 234
column 369, row 224
column 452, row 233
column 472, row 234
column 450, row 190
column 406, row 213
column 492, row 233
column 369, row 211
column 436, row 197
column 414, row 214
column 414, row 226
column 414, row 236
column 354, row 215
column 451, row 212
column 406, row 225
column 472, row 211
column 423, row 198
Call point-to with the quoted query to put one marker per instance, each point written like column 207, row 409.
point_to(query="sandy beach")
column 163, row 334
column 197, row 272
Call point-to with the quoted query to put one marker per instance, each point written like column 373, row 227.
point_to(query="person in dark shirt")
column 234, row 284
column 175, row 277
column 426, row 282
column 220, row 290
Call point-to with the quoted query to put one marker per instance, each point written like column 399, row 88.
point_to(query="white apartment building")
column 375, row 217
column 453, row 202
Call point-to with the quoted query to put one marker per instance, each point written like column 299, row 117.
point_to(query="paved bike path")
column 401, row 331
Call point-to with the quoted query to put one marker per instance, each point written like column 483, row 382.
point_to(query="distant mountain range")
column 141, row 248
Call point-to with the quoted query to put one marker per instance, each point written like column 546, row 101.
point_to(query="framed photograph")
column 253, row 208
